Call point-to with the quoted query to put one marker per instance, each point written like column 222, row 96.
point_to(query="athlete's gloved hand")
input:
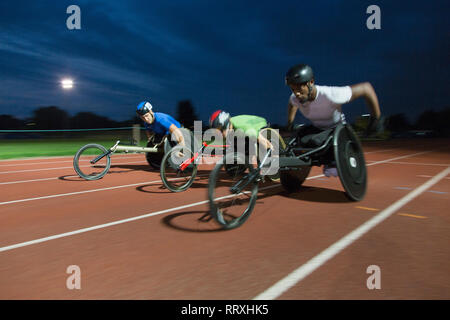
column 375, row 126
column 290, row 127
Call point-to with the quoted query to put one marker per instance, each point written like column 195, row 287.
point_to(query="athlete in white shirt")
column 322, row 104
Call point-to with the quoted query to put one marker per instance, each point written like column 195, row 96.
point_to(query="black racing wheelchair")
column 233, row 197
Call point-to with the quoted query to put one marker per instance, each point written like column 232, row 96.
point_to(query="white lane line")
column 35, row 158
column 88, row 191
column 418, row 163
column 45, row 169
column 62, row 235
column 398, row 158
column 303, row 271
column 78, row 192
column 34, row 180
column 426, row 176
column 52, row 162
column 94, row 190
column 114, row 223
column 385, row 150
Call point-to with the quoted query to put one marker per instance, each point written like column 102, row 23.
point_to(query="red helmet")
column 219, row 119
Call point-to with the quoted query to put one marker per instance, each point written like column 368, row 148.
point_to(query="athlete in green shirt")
column 249, row 126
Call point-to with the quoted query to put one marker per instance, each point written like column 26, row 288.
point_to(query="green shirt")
column 249, row 125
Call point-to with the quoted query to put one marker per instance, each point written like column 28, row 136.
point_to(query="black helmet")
column 299, row 73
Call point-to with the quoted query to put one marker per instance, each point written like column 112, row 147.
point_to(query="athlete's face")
column 225, row 131
column 149, row 117
column 301, row 91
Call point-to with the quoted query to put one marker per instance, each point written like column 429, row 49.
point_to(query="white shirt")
column 325, row 110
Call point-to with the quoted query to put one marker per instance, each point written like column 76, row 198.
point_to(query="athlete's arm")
column 366, row 91
column 264, row 142
column 292, row 110
column 176, row 132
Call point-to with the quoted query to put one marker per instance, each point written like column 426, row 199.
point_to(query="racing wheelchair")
column 92, row 161
column 232, row 199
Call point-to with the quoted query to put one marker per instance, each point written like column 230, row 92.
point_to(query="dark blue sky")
column 228, row 54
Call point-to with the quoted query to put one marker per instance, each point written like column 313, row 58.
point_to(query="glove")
column 375, row 126
column 290, row 127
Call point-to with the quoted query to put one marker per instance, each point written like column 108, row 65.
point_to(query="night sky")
column 219, row 54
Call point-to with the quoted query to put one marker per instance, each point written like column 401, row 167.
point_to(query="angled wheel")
column 228, row 208
column 89, row 164
column 350, row 162
column 176, row 175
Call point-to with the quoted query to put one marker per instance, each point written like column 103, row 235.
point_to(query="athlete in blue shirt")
column 159, row 123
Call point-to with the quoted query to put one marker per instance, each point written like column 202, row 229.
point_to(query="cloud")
column 230, row 54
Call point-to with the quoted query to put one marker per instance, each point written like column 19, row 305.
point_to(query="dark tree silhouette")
column 8, row 122
column 89, row 120
column 434, row 120
column 398, row 123
column 49, row 118
column 186, row 114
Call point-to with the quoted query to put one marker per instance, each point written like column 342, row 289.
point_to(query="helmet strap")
column 310, row 91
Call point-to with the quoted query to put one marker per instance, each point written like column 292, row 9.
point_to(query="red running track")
column 132, row 239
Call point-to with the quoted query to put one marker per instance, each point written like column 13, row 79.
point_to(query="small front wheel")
column 231, row 208
column 92, row 161
column 178, row 169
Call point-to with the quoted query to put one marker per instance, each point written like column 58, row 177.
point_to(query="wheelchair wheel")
column 278, row 143
column 82, row 162
column 155, row 159
column 292, row 180
column 173, row 176
column 229, row 209
column 350, row 162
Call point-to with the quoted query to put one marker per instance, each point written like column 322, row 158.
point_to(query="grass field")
column 14, row 149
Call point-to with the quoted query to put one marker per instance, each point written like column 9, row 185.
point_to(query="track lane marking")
column 88, row 191
column 52, row 162
column 398, row 158
column 46, row 169
column 316, row 262
column 34, row 180
column 400, row 214
column 110, row 188
column 129, row 219
column 366, row 208
column 385, row 150
column 418, row 163
column 78, row 192
column 412, row 215
column 110, row 224
column 106, row 225
column 426, row 176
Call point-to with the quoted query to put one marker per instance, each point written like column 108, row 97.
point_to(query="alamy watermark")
column 251, row 145
column 74, row 280
column 374, row 20
column 374, row 281
column 73, row 22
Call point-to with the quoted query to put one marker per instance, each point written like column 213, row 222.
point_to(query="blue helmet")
column 143, row 108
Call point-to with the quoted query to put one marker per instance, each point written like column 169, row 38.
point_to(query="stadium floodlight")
column 67, row 83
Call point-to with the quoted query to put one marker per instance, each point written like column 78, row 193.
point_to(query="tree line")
column 437, row 121
column 55, row 118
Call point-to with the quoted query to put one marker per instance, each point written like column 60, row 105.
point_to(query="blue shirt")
column 162, row 123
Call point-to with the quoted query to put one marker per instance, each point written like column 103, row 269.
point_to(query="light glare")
column 67, row 83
